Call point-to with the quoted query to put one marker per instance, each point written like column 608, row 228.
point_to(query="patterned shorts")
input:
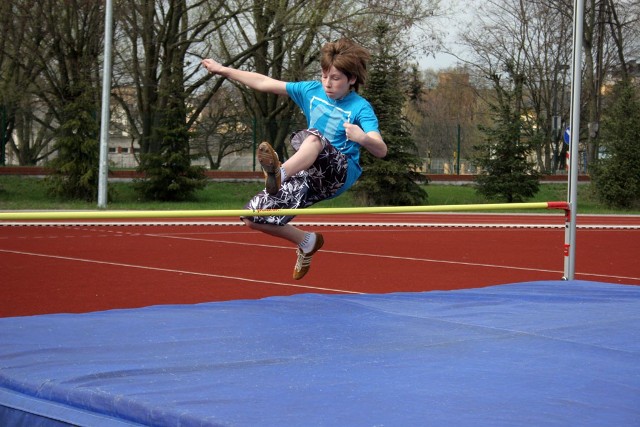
column 321, row 181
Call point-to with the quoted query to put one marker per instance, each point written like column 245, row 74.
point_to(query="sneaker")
column 304, row 260
column 270, row 163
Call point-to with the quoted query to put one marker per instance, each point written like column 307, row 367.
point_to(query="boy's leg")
column 287, row 231
column 313, row 241
column 306, row 154
column 324, row 170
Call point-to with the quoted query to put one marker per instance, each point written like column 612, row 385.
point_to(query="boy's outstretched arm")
column 253, row 80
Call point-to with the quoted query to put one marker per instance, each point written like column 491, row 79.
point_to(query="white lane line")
column 168, row 270
column 426, row 260
column 470, row 264
column 475, row 264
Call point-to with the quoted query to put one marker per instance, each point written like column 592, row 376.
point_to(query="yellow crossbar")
column 121, row 214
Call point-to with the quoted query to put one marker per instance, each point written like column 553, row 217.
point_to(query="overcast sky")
column 460, row 13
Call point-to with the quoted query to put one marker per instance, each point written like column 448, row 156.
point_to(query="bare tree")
column 450, row 112
column 535, row 38
column 610, row 34
column 49, row 57
column 157, row 52
column 27, row 127
column 222, row 128
column 153, row 52
column 545, row 37
column 282, row 40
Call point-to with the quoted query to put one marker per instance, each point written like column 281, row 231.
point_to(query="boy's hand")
column 212, row 66
column 372, row 141
column 354, row 132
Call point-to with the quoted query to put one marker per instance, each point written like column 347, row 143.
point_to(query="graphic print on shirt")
column 330, row 118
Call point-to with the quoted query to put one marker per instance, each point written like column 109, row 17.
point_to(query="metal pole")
column 255, row 144
column 3, row 136
column 574, row 125
column 106, row 97
column 458, row 159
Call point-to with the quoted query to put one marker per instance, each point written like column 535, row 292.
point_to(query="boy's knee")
column 313, row 141
column 308, row 138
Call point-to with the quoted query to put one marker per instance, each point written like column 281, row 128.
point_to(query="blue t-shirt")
column 329, row 115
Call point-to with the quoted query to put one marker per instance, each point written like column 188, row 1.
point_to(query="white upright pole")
column 106, row 97
column 574, row 126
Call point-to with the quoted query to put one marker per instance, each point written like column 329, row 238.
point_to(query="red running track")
column 55, row 268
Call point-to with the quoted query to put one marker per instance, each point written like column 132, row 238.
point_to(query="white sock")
column 307, row 244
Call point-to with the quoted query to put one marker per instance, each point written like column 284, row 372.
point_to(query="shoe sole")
column 268, row 159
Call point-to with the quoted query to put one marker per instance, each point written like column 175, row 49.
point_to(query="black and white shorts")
column 321, row 181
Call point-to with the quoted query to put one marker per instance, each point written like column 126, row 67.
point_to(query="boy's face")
column 336, row 84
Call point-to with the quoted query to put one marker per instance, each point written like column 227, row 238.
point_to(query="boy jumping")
column 326, row 161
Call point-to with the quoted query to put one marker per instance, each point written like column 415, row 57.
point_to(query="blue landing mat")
column 526, row 354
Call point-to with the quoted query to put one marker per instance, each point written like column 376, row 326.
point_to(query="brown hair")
column 348, row 57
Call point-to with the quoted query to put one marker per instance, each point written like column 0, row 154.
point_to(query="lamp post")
column 574, row 124
column 106, row 97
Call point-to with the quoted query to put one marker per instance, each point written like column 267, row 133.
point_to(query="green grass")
column 29, row 193
column 466, row 194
